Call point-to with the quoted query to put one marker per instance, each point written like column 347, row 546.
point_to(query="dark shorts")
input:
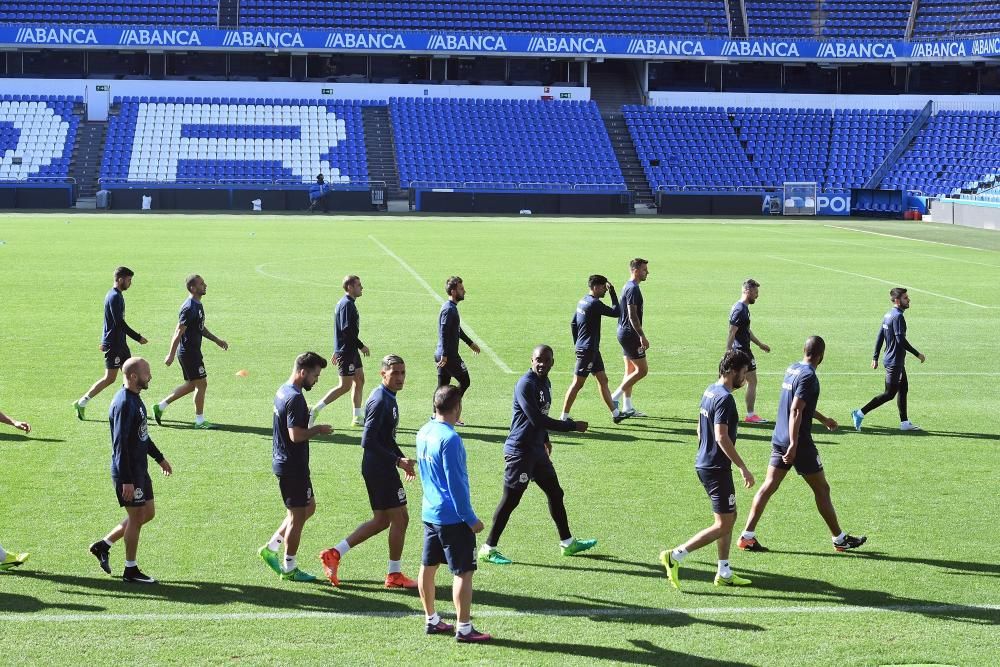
column 116, row 356
column 455, row 368
column 895, row 375
column 526, row 467
column 807, row 461
column 192, row 367
column 143, row 491
column 747, row 351
column 631, row 347
column 385, row 489
column 348, row 363
column 295, row 491
column 720, row 488
column 454, row 544
column 587, row 362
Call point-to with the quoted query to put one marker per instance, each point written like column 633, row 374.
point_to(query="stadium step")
column 88, row 151
column 381, row 149
column 737, row 13
column 628, row 158
column 612, row 84
column 228, row 14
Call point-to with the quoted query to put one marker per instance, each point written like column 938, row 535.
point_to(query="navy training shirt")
column 717, row 407
column 378, row 440
column 893, row 334
column 739, row 317
column 346, row 326
column 802, row 382
column 450, row 331
column 115, row 327
column 530, row 421
column 192, row 317
column 631, row 296
column 289, row 458
column 130, row 441
column 586, row 324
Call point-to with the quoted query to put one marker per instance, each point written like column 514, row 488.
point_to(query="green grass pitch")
column 923, row 590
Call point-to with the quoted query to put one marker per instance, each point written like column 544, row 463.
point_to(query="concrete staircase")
column 628, row 159
column 85, row 166
column 612, row 84
column 381, row 149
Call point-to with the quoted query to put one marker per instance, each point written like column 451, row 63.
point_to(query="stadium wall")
column 807, row 101
column 344, row 91
column 967, row 213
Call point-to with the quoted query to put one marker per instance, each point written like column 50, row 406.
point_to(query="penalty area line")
column 600, row 612
column 437, row 297
column 908, row 238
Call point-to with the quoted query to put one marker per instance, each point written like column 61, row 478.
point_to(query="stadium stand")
column 504, row 143
column 656, row 17
column 956, row 18
column 188, row 13
column 840, row 19
column 236, row 140
column 37, row 135
column 743, row 147
column 953, row 152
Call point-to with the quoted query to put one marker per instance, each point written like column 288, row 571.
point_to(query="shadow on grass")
column 23, row 437
column 25, row 604
column 643, row 653
column 950, row 566
column 626, row 567
column 922, row 433
column 803, row 590
column 319, row 596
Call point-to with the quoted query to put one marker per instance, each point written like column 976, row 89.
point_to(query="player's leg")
column 200, row 389
column 724, row 574
column 640, row 369
column 357, row 394
column 293, row 535
column 891, row 389
column 517, row 475
column 904, row 388
column 571, row 392
column 431, row 557
column 138, row 517
column 824, row 503
column 343, row 386
column 399, row 520
column 548, row 481
column 425, row 584
column 11, row 560
column 269, row 552
column 179, row 392
column 461, row 373
column 110, row 375
column 751, row 395
column 775, row 475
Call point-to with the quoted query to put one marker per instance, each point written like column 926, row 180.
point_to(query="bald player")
column 130, row 445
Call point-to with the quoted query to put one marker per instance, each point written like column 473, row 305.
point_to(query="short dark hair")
column 309, row 360
column 447, row 398
column 596, row 280
column 191, row 280
column 123, row 272
column 637, row 262
column 896, row 293
column 815, row 346
column 319, row 177
column 733, row 360
column 541, row 347
column 451, row 284
column 390, row 360
column 350, row 280
column 749, row 284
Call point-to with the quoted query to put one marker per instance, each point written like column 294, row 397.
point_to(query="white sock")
column 615, row 412
column 110, row 544
column 464, row 628
column 131, row 563
column 488, row 547
column 565, row 543
column 343, row 548
column 434, row 619
column 628, row 403
column 395, row 566
column 319, row 406
column 564, row 416
column 199, row 419
column 163, row 405
column 840, row 538
column 748, row 535
column 616, row 394
column 83, row 401
column 724, row 571
column 3, row 555
column 290, row 564
column 751, row 414
column 679, row 554
column 275, row 543
column 359, row 412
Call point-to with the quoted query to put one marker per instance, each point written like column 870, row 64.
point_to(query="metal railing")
column 502, row 185
column 41, row 179
column 353, row 185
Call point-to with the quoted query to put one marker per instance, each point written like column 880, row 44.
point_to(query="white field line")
column 839, row 373
column 908, row 238
column 261, row 271
column 881, row 280
column 437, row 297
column 612, row 612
